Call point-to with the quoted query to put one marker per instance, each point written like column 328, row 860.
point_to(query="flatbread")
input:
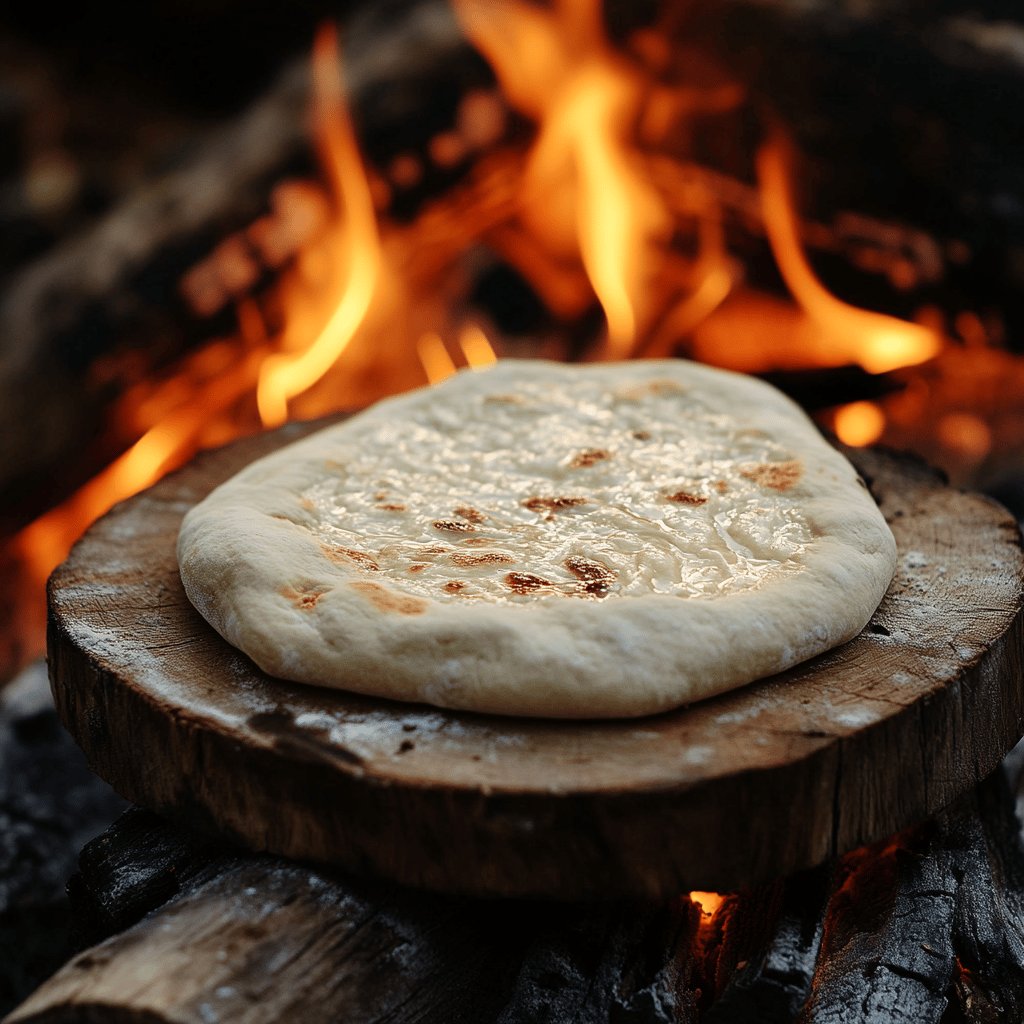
column 538, row 539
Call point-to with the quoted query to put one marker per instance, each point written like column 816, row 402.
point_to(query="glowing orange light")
column 476, row 347
column 966, row 434
column 557, row 66
column 859, row 424
column 709, row 902
column 354, row 259
column 877, row 342
column 437, row 363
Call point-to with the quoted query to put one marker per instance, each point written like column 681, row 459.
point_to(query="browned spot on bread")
column 595, row 577
column 450, row 526
column 342, row 556
column 652, row 387
column 686, row 498
column 453, row 586
column 589, row 456
column 524, row 582
column 478, row 542
column 721, row 486
column 388, row 601
column 435, row 549
column 551, row 505
column 483, row 558
column 469, row 513
column 381, row 496
column 305, row 596
column 392, row 506
column 418, row 567
column 505, row 399
column 308, row 505
column 779, row 476
column 642, row 435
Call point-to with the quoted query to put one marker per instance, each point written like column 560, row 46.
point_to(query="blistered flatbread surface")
column 548, row 540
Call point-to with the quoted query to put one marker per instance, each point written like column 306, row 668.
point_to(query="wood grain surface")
column 780, row 775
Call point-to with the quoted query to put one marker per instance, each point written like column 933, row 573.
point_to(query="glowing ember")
column 709, row 902
column 859, row 424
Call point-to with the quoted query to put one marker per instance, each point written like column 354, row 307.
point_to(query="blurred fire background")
column 829, row 195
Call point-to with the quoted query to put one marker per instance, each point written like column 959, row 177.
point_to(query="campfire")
column 606, row 201
column 606, row 187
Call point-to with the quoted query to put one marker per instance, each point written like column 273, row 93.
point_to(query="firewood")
column 893, row 932
column 49, row 805
column 257, row 941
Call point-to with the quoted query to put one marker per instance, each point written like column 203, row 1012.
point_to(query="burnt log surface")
column 926, row 927
column 50, row 804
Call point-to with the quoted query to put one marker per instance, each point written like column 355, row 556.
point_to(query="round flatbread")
column 541, row 539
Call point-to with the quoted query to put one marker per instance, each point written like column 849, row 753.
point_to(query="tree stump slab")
column 778, row 776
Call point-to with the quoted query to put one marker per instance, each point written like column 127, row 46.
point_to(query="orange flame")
column 354, row 255
column 557, row 67
column 709, row 902
column 877, row 342
column 859, row 424
column 437, row 363
column 476, row 347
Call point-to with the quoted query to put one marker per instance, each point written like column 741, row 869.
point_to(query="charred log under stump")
column 928, row 926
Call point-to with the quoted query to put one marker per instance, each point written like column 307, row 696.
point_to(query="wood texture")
column 783, row 774
column 927, row 926
column 262, row 941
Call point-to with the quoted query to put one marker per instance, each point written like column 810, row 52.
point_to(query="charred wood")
column 933, row 917
column 251, row 939
column 50, row 804
column 924, row 926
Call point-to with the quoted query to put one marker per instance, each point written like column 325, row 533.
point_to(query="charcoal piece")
column 771, row 973
column 115, row 887
column 607, row 965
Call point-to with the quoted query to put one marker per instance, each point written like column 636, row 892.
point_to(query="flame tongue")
column 353, row 250
column 557, row 67
column 877, row 342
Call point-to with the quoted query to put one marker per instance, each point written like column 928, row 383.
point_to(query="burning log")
column 901, row 115
column 99, row 313
column 898, row 931
column 109, row 308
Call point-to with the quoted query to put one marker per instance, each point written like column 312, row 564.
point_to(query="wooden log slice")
column 780, row 775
